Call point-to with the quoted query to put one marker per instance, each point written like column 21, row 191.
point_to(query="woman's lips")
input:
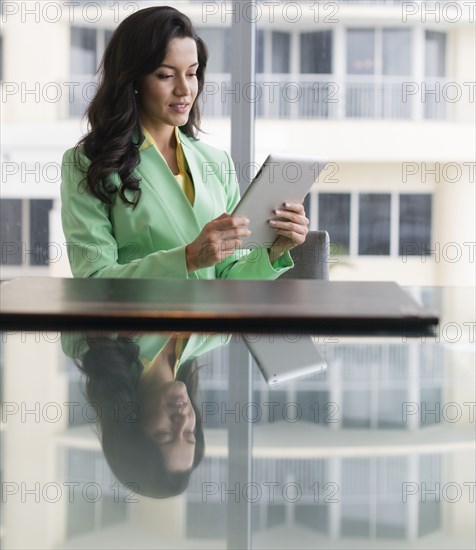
column 179, row 107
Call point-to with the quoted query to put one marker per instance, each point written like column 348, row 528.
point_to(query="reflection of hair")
column 113, row 369
column 137, row 47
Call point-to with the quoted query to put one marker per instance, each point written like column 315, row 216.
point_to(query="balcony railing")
column 310, row 96
column 303, row 96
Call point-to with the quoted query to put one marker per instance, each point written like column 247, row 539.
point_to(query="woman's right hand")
column 217, row 240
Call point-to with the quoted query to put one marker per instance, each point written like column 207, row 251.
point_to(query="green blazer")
column 75, row 344
column 149, row 241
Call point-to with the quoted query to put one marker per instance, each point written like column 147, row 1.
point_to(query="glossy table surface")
column 211, row 305
column 376, row 451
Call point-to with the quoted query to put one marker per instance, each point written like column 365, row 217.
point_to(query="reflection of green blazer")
column 75, row 343
column 149, row 241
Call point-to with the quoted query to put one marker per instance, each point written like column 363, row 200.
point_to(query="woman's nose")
column 182, row 87
column 179, row 417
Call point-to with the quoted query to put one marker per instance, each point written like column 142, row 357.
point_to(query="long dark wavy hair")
column 113, row 368
column 137, row 47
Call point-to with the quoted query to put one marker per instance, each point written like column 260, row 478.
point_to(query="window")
column 87, row 467
column 396, row 54
column 39, row 231
column 83, row 56
column 435, row 71
column 107, row 36
column 360, row 96
column 430, row 516
column 435, row 54
column 385, row 56
column 25, row 231
column 385, row 223
column 87, row 48
column 414, row 224
column 371, row 496
column 217, row 102
column 374, row 224
column 11, row 231
column 218, row 41
column 316, row 52
column 334, row 217
column 360, row 51
column 280, row 52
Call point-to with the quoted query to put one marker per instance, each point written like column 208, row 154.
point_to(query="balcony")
column 304, row 96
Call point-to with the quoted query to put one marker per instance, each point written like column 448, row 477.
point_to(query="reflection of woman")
column 141, row 196
column 150, row 425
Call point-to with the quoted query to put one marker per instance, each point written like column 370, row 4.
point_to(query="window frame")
column 354, row 218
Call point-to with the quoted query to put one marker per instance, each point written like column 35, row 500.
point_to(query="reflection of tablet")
column 282, row 359
column 281, row 179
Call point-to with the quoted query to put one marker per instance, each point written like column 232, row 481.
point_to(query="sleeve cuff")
column 284, row 262
column 260, row 257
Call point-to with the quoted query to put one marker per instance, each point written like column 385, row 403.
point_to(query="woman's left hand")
column 292, row 229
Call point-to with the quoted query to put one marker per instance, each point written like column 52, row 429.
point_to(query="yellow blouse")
column 180, row 344
column 182, row 177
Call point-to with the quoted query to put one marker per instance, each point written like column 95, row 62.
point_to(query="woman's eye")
column 165, row 76
column 194, row 74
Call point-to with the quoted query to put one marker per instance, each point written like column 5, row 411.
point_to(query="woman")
column 150, row 425
column 141, row 196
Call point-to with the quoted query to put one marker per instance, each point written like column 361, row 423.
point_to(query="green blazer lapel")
column 156, row 174
column 204, row 205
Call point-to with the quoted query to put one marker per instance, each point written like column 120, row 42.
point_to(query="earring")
column 136, row 91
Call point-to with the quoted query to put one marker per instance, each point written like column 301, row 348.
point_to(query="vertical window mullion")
column 100, row 45
column 418, row 69
column 314, row 211
column 295, row 54
column 339, row 63
column 378, row 78
column 268, row 52
column 267, row 70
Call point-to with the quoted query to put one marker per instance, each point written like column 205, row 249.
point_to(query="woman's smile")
column 180, row 107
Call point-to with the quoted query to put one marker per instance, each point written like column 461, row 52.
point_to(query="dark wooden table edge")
column 288, row 325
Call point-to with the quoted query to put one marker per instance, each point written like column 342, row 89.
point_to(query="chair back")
column 311, row 259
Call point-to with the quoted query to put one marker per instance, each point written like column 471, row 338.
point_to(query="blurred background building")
column 385, row 90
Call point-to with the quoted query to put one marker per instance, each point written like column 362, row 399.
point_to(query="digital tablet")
column 282, row 359
column 281, row 179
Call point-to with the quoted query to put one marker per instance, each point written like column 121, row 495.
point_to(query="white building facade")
column 384, row 90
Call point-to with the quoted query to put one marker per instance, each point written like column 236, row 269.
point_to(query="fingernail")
column 272, row 222
column 277, row 212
